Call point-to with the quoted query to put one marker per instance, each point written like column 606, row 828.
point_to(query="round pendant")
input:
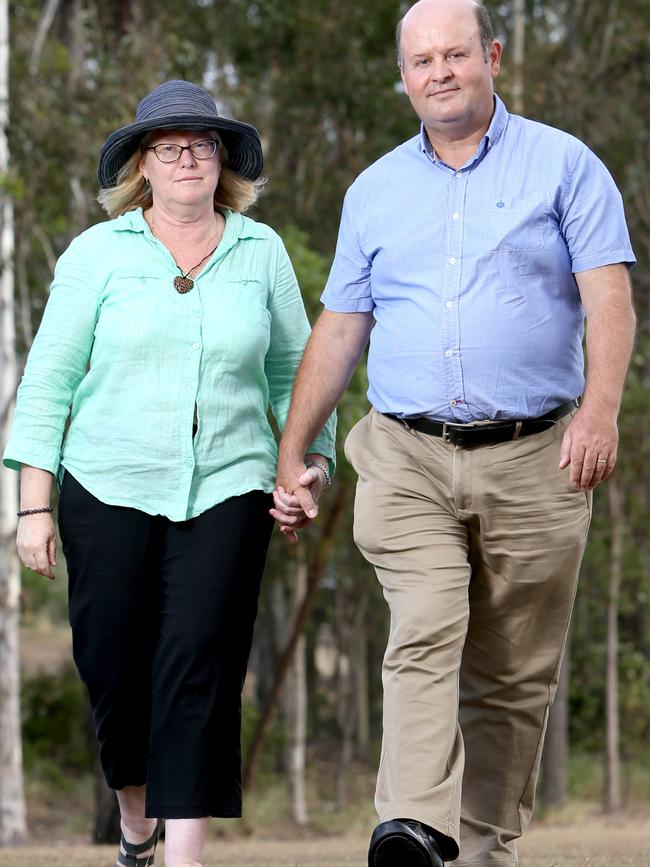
column 183, row 284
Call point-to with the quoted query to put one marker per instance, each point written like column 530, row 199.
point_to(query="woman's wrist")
column 35, row 510
column 35, row 490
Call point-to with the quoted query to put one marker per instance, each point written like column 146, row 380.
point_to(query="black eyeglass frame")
column 182, row 148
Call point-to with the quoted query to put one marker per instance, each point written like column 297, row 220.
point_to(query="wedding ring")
column 601, row 461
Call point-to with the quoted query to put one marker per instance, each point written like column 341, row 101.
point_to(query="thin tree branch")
column 46, row 244
column 316, row 570
column 44, row 24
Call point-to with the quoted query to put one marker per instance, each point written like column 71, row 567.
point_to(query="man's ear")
column 494, row 57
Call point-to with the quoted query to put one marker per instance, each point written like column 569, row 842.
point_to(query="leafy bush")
column 57, row 736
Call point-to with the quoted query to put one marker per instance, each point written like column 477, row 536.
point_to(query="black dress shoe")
column 404, row 843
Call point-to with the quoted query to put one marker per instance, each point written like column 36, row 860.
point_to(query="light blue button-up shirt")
column 469, row 273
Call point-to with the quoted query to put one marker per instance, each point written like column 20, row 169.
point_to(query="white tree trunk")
column 613, row 800
column 298, row 691
column 12, row 798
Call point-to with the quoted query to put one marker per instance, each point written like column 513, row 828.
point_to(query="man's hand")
column 36, row 542
column 591, row 440
column 589, row 447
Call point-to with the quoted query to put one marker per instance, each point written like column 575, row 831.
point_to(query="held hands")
column 36, row 542
column 296, row 496
column 589, row 448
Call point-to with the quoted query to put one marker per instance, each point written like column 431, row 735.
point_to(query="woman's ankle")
column 137, row 831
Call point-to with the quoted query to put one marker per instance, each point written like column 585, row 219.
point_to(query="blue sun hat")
column 181, row 105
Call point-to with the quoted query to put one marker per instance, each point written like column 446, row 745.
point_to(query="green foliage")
column 12, row 185
column 57, row 739
column 310, row 266
column 635, row 699
column 320, row 82
column 42, row 598
column 274, row 746
column 586, row 778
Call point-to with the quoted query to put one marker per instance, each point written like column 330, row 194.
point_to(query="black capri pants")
column 162, row 617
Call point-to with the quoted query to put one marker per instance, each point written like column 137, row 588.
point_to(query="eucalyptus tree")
column 12, row 798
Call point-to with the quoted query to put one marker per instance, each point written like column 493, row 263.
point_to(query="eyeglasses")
column 200, row 150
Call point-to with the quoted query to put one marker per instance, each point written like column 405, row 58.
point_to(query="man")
column 473, row 252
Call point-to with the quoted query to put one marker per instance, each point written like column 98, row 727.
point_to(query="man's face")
column 445, row 73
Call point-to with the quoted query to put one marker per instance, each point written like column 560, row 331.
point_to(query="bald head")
column 426, row 7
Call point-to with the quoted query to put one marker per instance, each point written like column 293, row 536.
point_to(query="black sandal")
column 132, row 850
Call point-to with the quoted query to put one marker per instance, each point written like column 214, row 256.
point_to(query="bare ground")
column 594, row 842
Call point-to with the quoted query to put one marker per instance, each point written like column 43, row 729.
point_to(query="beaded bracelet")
column 24, row 512
column 320, row 466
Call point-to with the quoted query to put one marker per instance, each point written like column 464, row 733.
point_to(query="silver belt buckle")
column 446, row 437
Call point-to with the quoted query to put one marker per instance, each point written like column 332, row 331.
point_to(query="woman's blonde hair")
column 132, row 191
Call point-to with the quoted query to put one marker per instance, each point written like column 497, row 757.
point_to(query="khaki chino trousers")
column 478, row 552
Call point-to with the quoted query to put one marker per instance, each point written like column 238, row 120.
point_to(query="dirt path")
column 593, row 843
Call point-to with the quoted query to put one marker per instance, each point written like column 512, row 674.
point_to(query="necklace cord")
column 184, row 283
column 187, row 273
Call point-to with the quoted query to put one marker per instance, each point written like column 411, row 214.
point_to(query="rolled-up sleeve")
column 56, row 363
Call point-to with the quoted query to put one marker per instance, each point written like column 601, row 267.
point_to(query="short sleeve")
column 348, row 288
column 592, row 218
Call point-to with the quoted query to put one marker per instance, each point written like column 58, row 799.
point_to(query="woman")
column 169, row 330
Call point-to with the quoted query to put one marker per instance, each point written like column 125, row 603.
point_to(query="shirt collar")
column 237, row 227
column 497, row 125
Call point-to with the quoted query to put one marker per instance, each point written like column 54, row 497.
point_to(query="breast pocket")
column 245, row 302
column 237, row 322
column 519, row 224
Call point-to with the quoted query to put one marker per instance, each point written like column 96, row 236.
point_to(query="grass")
column 593, row 842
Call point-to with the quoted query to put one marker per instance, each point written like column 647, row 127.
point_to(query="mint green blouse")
column 128, row 359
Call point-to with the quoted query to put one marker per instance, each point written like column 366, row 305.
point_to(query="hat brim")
column 242, row 142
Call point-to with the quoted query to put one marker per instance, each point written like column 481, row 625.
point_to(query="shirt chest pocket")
column 519, row 224
column 236, row 318
column 243, row 301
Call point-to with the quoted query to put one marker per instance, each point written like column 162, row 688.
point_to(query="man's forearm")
column 610, row 340
column 331, row 355
column 590, row 443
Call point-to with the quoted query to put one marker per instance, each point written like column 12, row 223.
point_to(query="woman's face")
column 188, row 181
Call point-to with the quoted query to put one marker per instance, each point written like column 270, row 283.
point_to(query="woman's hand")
column 36, row 537
column 36, row 542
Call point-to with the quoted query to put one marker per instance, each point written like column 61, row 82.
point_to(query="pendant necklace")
column 184, row 283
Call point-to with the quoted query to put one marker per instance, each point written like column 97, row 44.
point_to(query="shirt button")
column 457, row 175
column 449, row 353
column 455, row 215
column 196, row 346
column 450, row 304
column 452, row 260
column 453, row 402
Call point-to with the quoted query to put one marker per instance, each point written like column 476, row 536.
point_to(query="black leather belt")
column 490, row 432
